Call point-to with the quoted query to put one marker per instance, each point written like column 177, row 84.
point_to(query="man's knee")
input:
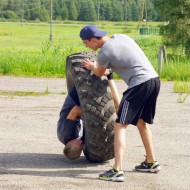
column 118, row 126
column 141, row 124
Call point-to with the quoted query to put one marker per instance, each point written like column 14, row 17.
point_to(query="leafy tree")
column 44, row 14
column 177, row 12
column 9, row 15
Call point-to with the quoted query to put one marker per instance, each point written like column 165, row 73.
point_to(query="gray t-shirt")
column 126, row 58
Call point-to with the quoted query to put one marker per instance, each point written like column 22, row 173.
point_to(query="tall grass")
column 26, row 50
column 183, row 88
column 177, row 69
column 47, row 62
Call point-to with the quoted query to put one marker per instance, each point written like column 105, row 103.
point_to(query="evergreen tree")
column 109, row 11
column 44, row 14
column 73, row 14
column 17, row 7
column 151, row 12
column 135, row 11
column 101, row 7
column 92, row 11
column 118, row 11
column 10, row 5
column 1, row 5
column 129, row 11
column 84, row 14
column 34, row 8
column 78, row 5
column 64, row 11
column 86, row 10
column 56, row 10
column 26, row 12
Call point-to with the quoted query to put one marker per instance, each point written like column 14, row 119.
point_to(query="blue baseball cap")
column 91, row 31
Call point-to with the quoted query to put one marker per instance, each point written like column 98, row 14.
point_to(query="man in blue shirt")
column 70, row 128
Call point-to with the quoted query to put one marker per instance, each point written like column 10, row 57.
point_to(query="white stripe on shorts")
column 124, row 111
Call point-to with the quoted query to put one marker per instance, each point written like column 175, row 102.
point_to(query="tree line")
column 176, row 33
column 81, row 10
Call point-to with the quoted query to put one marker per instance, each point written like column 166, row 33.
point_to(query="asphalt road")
column 31, row 155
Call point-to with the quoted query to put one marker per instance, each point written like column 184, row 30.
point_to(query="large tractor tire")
column 97, row 106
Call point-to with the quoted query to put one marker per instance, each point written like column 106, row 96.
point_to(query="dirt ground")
column 31, row 155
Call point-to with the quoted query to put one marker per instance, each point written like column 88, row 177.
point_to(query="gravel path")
column 31, row 155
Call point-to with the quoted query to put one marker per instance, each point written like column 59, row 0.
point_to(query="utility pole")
column 22, row 12
column 51, row 35
column 125, row 29
column 98, row 11
column 143, row 14
column 145, row 6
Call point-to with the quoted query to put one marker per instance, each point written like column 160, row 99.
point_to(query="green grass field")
column 31, row 35
column 25, row 49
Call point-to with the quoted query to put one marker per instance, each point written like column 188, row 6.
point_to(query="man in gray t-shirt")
column 138, row 103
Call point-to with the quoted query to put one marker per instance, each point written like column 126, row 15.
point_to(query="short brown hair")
column 72, row 152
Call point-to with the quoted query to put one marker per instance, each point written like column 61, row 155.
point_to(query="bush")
column 187, row 47
column 3, row 20
column 9, row 15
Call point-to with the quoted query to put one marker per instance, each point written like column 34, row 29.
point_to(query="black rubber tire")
column 97, row 107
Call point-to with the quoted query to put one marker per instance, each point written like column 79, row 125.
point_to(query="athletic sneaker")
column 148, row 167
column 112, row 175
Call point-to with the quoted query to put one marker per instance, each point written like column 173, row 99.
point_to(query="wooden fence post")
column 162, row 55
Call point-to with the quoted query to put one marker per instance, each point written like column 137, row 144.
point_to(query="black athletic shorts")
column 139, row 102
